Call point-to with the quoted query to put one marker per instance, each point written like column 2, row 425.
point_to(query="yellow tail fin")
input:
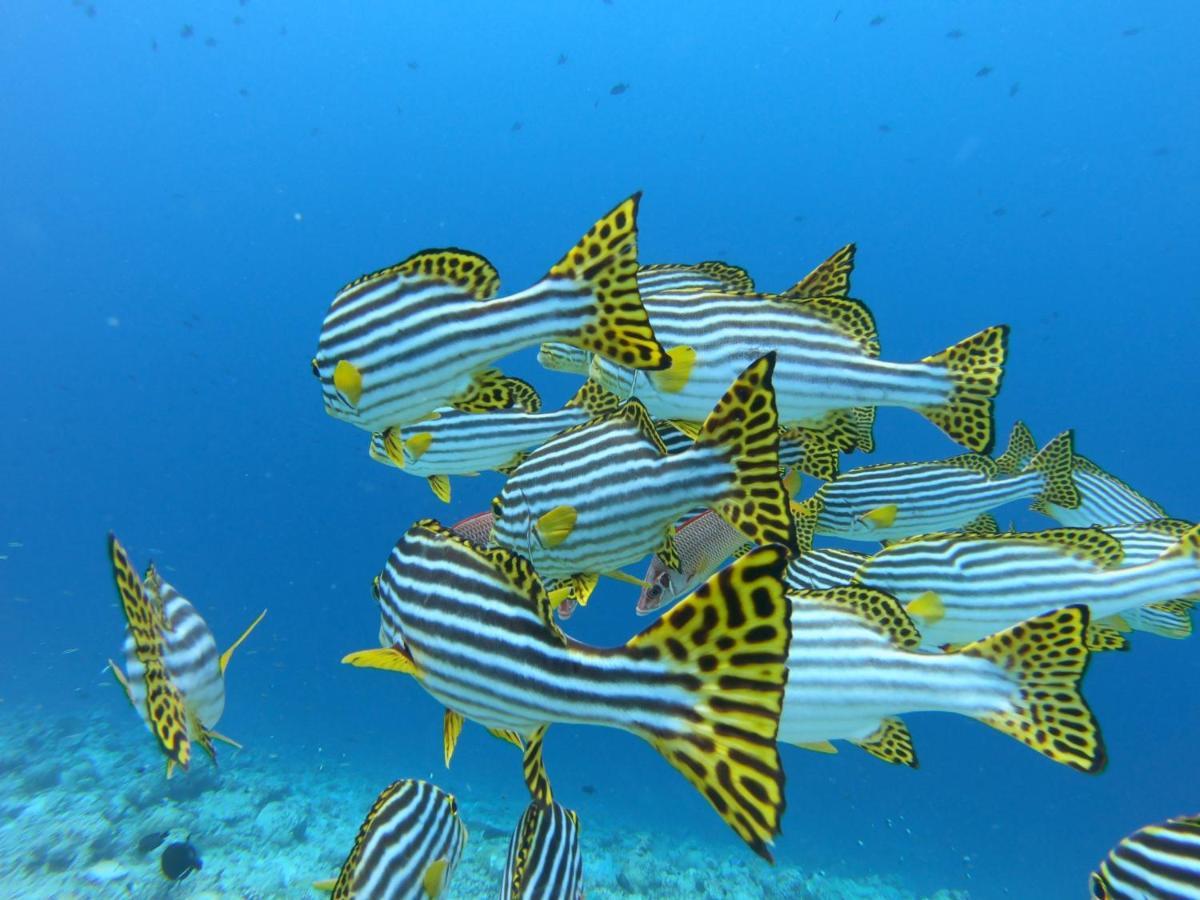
column 975, row 367
column 745, row 425
column 1055, row 462
column 1047, row 656
column 604, row 262
column 729, row 642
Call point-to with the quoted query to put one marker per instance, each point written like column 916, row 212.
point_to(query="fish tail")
column 604, row 265
column 745, row 426
column 728, row 643
column 1188, row 547
column 975, row 367
column 1055, row 463
column 1021, row 449
column 1047, row 656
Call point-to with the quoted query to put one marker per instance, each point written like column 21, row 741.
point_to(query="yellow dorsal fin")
column 1021, row 449
column 830, row 279
column 1103, row 636
column 440, row 485
column 491, row 389
column 881, row 516
column 1055, row 463
column 821, row 459
column 1086, row 543
column 1188, row 545
column 972, row 462
column 817, row 746
column 461, row 269
column 634, row 413
column 434, row 880
column 850, row 318
column 983, row 525
column 881, row 610
column 594, row 399
column 390, row 659
column 416, row 445
column 805, row 515
column 524, row 395
column 691, row 429
column 1046, row 657
column 891, row 742
column 228, row 654
column 928, row 606
column 535, row 770
column 555, row 526
column 347, row 380
column 733, row 279
column 974, row 366
column 674, row 379
column 452, row 723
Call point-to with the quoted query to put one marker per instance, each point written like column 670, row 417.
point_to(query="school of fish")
column 705, row 403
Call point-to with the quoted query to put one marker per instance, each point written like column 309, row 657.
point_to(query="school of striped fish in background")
column 705, row 403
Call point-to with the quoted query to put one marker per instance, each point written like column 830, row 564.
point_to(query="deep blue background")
column 175, row 217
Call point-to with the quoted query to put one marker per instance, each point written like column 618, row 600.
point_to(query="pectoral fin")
column 452, row 724
column 348, row 381
column 881, row 517
column 440, row 485
column 434, row 880
column 555, row 526
column 928, row 606
column 818, row 746
column 390, row 659
column 675, row 379
column 418, row 444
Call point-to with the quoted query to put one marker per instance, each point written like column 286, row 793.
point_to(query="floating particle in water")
column 1162, row 151
column 154, row 46
column 210, row 42
column 797, row 219
column 112, row 322
column 885, row 128
column 984, row 72
column 1132, row 32
column 238, row 20
column 837, row 15
column 517, row 126
column 298, row 216
column 314, row 131
column 186, row 31
column 1014, row 89
column 877, row 21
column 954, row 34
column 244, row 92
column 1047, row 212
column 619, row 88
column 588, row 789
column 413, row 65
column 999, row 211
column 562, row 59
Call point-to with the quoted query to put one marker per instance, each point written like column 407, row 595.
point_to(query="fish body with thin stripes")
column 1104, row 500
column 601, row 496
column 823, row 568
column 1157, row 862
column 827, row 361
column 704, row 684
column 893, row 501
column 544, row 859
column 418, row 336
column 960, row 588
column 406, row 849
column 1145, row 542
column 854, row 666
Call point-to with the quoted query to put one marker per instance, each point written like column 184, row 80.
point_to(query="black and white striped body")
column 482, row 649
column 928, row 497
column 988, row 584
column 1158, row 862
column 845, row 676
column 544, row 859
column 462, row 443
column 625, row 492
column 824, row 568
column 791, row 448
column 818, row 368
column 1105, row 500
column 190, row 658
column 407, row 848
column 1143, row 543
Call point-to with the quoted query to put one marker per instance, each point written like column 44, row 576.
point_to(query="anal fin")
column 891, row 742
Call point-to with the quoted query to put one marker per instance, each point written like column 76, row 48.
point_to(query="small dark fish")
column 999, row 211
column 608, row 2
column 517, row 126
column 1014, row 89
column 1131, row 32
column 878, row 20
column 413, row 65
column 154, row 45
column 210, row 42
column 238, row 20
column 984, row 72
column 179, row 860
column 562, row 59
column 954, row 34
column 151, row 841
column 885, row 128
column 1047, row 213
column 283, row 31
column 619, row 88
column 91, row 12
column 1162, row 151
column 589, row 789
column 186, row 31
column 837, row 15
column 244, row 92
column 797, row 219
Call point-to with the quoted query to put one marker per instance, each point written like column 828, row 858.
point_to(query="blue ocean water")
column 177, row 211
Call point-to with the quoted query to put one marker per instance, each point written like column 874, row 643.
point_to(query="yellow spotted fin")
column 491, row 389
column 983, row 525
column 1104, row 636
column 674, row 379
column 555, row 526
column 581, row 587
column 1055, row 462
column 891, row 742
column 850, row 317
column 691, row 429
column 830, row 279
column 594, row 399
column 975, row 367
column 805, row 514
column 1022, row 448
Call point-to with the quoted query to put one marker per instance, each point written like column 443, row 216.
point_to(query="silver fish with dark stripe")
column 407, row 340
column 544, row 859
column 407, row 848
column 475, row 628
column 1158, row 862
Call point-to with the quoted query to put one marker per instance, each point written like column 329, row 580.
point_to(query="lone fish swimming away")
column 544, row 860
column 402, row 342
column 1158, row 862
column 703, row 685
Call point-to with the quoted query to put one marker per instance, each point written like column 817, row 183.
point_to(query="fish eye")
column 316, row 371
column 655, row 590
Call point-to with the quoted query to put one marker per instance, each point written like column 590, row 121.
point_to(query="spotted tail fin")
column 745, row 425
column 1055, row 462
column 975, row 367
column 604, row 264
column 1047, row 657
column 728, row 643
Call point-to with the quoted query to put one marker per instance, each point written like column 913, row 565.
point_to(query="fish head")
column 663, row 586
column 341, row 387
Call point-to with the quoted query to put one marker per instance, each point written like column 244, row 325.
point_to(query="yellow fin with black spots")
column 491, row 389
column 928, row 606
column 452, row 723
column 1102, row 636
column 1055, row 463
column 594, row 399
column 850, row 318
column 733, row 279
column 822, row 457
column 604, row 264
column 389, row 659
column 975, row 367
column 228, row 654
column 555, row 526
column 729, row 640
column 983, row 525
column 667, row 552
column 1047, row 657
column 393, row 447
column 511, row 466
column 805, row 514
column 830, row 279
column 582, row 586
column 691, row 429
column 348, row 382
column 674, row 379
column 1187, row 546
column 744, row 426
column 534, row 768
column 468, row 272
column 524, row 395
column 635, row 414
column 1022, row 448
column 890, row 742
column 440, row 485
column 878, row 609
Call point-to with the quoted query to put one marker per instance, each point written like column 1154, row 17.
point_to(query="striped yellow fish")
column 893, row 501
column 544, row 860
column 417, row 336
column 462, row 443
column 601, row 496
column 186, row 657
column 853, row 667
column 703, row 684
column 1158, row 862
column 960, row 588
column 407, row 848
